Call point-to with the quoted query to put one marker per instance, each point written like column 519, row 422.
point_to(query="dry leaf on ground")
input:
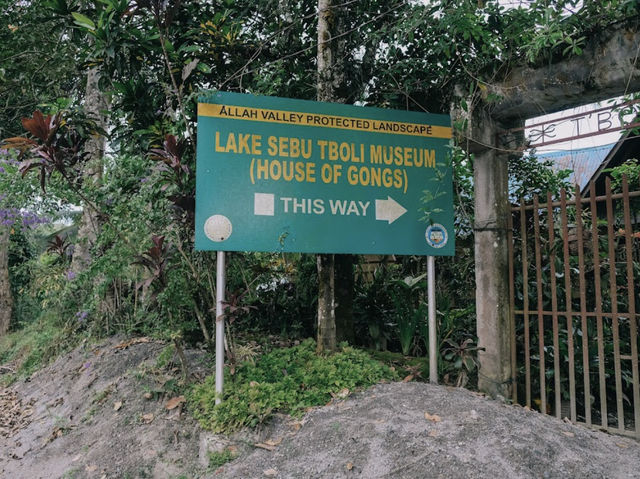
column 432, row 417
column 349, row 466
column 147, row 418
column 131, row 342
column 262, row 445
column 174, row 402
column 273, row 442
column 13, row 414
column 117, row 405
column 270, row 472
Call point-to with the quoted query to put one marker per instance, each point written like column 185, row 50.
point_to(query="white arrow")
column 389, row 210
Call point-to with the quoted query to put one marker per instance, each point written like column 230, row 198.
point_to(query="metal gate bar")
column 613, row 292
column 628, row 241
column 568, row 306
column 595, row 240
column 554, row 308
column 538, row 254
column 583, row 309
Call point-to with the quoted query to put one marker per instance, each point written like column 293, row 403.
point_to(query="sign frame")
column 283, row 175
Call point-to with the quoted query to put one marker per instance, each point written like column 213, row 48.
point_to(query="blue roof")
column 583, row 162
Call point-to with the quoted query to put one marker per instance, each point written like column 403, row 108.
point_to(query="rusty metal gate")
column 575, row 303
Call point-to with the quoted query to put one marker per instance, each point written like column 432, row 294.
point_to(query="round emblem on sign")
column 436, row 235
column 217, row 228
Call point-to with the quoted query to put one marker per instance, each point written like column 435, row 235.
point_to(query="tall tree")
column 335, row 272
column 95, row 107
column 326, row 262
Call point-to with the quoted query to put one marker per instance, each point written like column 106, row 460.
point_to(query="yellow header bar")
column 319, row 120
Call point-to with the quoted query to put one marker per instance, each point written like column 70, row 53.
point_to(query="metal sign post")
column 433, row 333
column 220, row 286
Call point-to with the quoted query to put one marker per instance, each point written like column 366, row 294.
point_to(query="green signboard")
column 277, row 174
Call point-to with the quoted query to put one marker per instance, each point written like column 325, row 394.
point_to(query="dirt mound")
column 101, row 411
column 418, row 430
column 113, row 411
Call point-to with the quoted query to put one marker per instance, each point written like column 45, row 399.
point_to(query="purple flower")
column 71, row 276
column 81, row 315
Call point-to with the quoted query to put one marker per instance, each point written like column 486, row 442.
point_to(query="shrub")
column 288, row 380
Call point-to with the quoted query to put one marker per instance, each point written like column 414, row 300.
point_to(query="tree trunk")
column 332, row 267
column 6, row 300
column 326, row 303
column 344, row 279
column 95, row 104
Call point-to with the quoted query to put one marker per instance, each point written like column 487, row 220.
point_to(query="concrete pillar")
column 491, row 267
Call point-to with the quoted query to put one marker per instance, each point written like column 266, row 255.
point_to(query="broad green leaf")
column 83, row 21
column 204, row 68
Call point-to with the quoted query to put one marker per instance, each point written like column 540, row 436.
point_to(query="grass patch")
column 287, row 380
column 32, row 347
column 220, row 458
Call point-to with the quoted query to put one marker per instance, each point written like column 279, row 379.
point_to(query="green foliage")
column 282, row 294
column 630, row 168
column 462, row 358
column 165, row 356
column 32, row 347
column 529, row 176
column 220, row 458
column 372, row 307
column 473, row 44
column 287, row 380
column 409, row 310
column 27, row 35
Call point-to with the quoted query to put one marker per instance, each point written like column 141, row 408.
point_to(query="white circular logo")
column 217, row 228
column 436, row 235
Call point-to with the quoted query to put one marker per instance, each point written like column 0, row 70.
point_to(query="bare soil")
column 112, row 411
